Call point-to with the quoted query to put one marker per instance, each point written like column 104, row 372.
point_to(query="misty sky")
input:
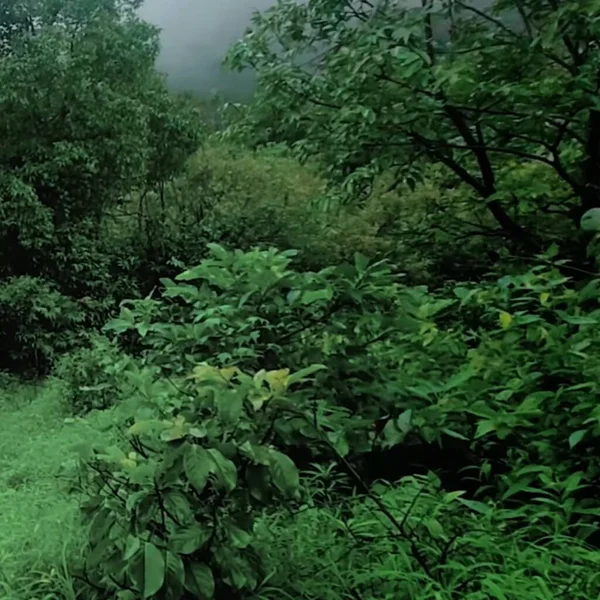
column 196, row 35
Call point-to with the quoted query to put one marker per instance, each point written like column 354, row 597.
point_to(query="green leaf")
column 239, row 537
column 178, row 505
column 198, row 465
column 361, row 262
column 576, row 437
column 578, row 319
column 175, row 573
column 118, row 326
column 485, row 427
column 404, row 421
column 339, row 441
column 190, row 539
column 154, row 570
column 532, row 402
column 199, row 580
column 310, row 296
column 480, row 507
column 230, row 404
column 459, row 379
column 256, row 453
column 304, row 373
column 132, row 545
column 455, row 434
column 284, row 473
column 218, row 251
column 224, row 469
column 191, row 274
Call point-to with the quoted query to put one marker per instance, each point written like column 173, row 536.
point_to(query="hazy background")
column 196, row 35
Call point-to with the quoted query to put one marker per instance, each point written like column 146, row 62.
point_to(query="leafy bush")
column 242, row 199
column 509, row 367
column 86, row 121
column 239, row 199
column 38, row 323
column 478, row 363
column 254, row 311
column 172, row 517
column 94, row 265
column 75, row 149
column 92, row 374
column 247, row 307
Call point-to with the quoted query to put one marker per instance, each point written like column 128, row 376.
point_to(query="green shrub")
column 172, row 515
column 38, row 323
column 208, row 441
column 77, row 148
column 231, row 196
column 86, row 120
column 89, row 263
column 509, row 367
column 92, row 374
column 252, row 310
column 511, row 359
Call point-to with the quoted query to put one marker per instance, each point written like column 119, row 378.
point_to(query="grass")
column 319, row 554
column 40, row 532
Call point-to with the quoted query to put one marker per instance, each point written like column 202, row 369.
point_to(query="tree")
column 488, row 92
column 80, row 119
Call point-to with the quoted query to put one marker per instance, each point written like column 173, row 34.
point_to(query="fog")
column 195, row 37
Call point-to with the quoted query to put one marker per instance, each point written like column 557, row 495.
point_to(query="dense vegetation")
column 340, row 342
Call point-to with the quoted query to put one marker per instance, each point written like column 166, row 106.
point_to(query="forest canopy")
column 508, row 106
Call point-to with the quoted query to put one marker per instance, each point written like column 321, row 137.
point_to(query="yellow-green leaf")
column 278, row 380
column 505, row 319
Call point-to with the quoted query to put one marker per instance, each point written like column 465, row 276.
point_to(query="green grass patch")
column 40, row 531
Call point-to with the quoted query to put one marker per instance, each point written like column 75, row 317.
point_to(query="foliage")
column 532, row 375
column 237, row 198
column 94, row 265
column 85, row 119
column 92, row 373
column 175, row 134
column 81, row 144
column 481, row 363
column 239, row 312
column 254, row 311
column 369, row 87
column 173, row 517
column 240, row 199
column 451, row 547
column 38, row 323
column 507, row 367
column 232, row 366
